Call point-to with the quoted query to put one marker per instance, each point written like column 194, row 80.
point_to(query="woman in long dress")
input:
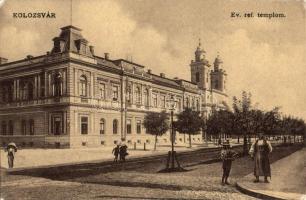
column 260, row 150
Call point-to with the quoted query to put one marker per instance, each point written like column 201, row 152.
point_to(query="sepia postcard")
column 153, row 100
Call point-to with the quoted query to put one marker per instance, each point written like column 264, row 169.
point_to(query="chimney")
column 162, row 75
column 149, row 71
column 106, row 56
column 92, row 50
column 3, row 60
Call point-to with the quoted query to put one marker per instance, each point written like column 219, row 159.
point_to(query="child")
column 227, row 156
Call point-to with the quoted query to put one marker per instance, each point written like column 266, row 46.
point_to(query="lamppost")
column 172, row 154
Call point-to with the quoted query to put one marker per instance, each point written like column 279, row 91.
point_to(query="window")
column 146, row 97
column 57, row 85
column 30, row 91
column 42, row 85
column 11, row 127
column 193, row 104
column 128, row 94
column 163, row 101
column 197, row 77
column 102, row 126
column 24, row 127
column 3, row 127
column 83, row 86
column 23, row 91
column 198, row 105
column 128, row 126
column 115, row 92
column 102, row 90
column 187, row 102
column 154, row 97
column 56, row 124
column 84, row 125
column 138, row 126
column 115, row 126
column 31, row 123
column 138, row 95
column 179, row 102
column 10, row 93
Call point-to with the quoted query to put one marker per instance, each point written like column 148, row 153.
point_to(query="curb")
column 253, row 193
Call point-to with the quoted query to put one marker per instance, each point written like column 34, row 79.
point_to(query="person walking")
column 116, row 152
column 123, row 152
column 227, row 156
column 259, row 151
column 11, row 150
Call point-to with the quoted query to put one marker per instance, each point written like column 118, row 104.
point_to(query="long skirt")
column 262, row 165
column 227, row 165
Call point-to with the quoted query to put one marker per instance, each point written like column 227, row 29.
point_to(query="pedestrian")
column 123, row 152
column 227, row 156
column 259, row 151
column 116, row 152
column 11, row 150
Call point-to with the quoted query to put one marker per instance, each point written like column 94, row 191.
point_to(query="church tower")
column 218, row 76
column 200, row 69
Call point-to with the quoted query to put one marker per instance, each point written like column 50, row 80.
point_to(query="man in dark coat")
column 260, row 150
column 123, row 152
column 116, row 152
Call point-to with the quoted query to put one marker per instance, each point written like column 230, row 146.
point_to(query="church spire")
column 199, row 53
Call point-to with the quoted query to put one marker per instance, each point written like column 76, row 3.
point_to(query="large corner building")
column 71, row 97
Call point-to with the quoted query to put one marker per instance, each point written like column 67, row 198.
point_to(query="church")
column 70, row 97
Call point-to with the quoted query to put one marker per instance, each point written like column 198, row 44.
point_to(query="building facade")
column 71, row 97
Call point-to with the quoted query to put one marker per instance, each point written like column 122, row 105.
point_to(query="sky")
column 263, row 56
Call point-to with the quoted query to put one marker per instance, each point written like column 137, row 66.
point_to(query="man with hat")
column 227, row 156
column 260, row 150
column 11, row 149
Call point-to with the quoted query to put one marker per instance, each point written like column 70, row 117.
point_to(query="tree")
column 156, row 124
column 189, row 122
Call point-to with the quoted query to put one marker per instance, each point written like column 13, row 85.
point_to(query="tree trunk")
column 189, row 140
column 238, row 139
column 245, row 145
column 155, row 142
column 293, row 138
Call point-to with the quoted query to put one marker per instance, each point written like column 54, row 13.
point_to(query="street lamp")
column 172, row 154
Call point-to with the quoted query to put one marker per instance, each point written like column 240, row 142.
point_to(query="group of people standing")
column 121, row 152
column 259, row 152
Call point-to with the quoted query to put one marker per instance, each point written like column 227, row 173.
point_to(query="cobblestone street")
column 199, row 182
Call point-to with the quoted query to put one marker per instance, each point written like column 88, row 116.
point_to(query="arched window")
column 31, row 125
column 146, row 97
column 102, row 126
column 193, row 104
column 138, row 95
column 115, row 126
column 30, row 91
column 57, row 84
column 83, row 86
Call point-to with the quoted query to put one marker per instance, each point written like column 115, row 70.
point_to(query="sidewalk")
column 26, row 158
column 288, row 179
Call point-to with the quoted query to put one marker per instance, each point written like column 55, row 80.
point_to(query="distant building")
column 71, row 98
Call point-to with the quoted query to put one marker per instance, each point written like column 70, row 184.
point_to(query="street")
column 138, row 180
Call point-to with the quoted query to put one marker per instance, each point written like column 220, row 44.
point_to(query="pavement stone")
column 288, row 179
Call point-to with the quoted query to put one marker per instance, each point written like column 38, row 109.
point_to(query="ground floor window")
column 24, row 127
column 115, row 126
column 138, row 126
column 128, row 126
column 84, row 125
column 57, row 124
column 3, row 127
column 102, row 126
column 31, row 122
column 11, row 127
